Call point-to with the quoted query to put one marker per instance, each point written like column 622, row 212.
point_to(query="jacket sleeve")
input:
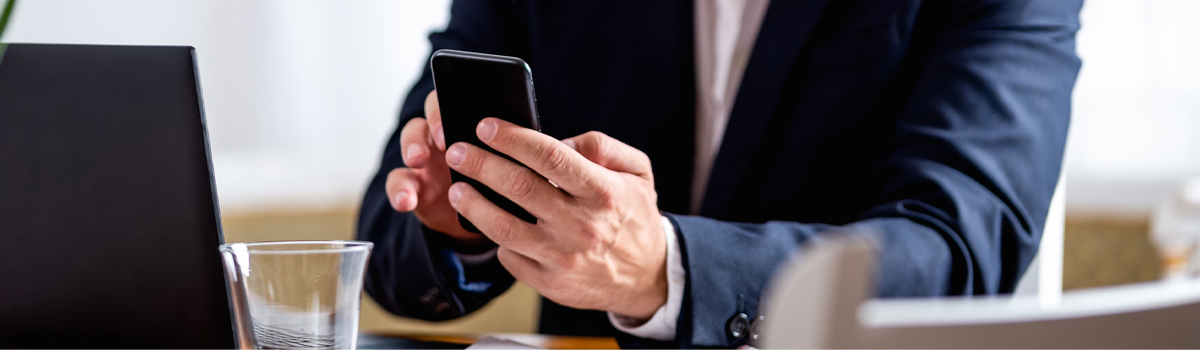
column 413, row 272
column 969, row 173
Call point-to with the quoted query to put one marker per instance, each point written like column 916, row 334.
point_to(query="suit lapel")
column 785, row 28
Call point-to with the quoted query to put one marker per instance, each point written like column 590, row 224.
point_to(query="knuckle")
column 566, row 262
column 502, row 231
column 553, row 158
column 521, row 185
column 504, row 138
column 594, row 135
column 603, row 144
column 642, row 157
column 472, row 162
column 590, row 237
column 596, row 143
column 606, row 196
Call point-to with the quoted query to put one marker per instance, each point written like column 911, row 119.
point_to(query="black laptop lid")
column 108, row 224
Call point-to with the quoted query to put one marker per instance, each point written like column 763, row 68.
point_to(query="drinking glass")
column 298, row 294
column 1175, row 229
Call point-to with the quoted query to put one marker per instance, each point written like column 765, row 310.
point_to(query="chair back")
column 821, row 300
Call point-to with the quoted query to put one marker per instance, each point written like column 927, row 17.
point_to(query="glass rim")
column 348, row 247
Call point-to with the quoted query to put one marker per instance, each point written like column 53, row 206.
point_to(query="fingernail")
column 439, row 137
column 570, row 143
column 399, row 198
column 455, row 155
column 455, row 193
column 486, row 129
column 414, row 151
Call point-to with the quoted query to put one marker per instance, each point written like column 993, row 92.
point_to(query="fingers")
column 421, row 139
column 415, row 143
column 402, row 186
column 433, row 113
column 523, row 268
column 519, row 184
column 545, row 155
column 503, row 228
column 612, row 154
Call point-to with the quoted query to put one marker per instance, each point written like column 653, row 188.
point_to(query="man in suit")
column 730, row 132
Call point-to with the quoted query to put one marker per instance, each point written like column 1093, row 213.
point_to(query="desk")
column 538, row 340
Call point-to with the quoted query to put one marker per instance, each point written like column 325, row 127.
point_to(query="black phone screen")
column 472, row 86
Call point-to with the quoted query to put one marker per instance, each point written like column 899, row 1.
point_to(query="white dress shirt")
column 725, row 33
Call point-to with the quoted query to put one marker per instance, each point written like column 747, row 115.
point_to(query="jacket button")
column 441, row 307
column 756, row 328
column 737, row 325
column 430, row 296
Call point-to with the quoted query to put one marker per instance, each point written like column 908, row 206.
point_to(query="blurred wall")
column 299, row 95
column 1136, row 120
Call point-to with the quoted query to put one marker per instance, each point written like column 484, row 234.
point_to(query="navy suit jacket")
column 936, row 126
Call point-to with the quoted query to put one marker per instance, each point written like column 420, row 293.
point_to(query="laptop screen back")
column 108, row 223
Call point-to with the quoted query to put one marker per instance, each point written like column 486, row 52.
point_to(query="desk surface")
column 538, row 340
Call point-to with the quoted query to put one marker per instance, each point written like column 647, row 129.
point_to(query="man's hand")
column 421, row 187
column 598, row 243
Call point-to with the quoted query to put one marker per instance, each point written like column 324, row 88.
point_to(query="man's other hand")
column 421, row 187
column 598, row 242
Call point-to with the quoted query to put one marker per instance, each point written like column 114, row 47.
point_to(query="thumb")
column 611, row 154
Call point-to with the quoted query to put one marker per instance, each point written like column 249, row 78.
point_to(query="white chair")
column 821, row 300
column 1043, row 278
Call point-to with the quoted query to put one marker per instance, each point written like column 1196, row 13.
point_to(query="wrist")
column 653, row 298
column 650, row 293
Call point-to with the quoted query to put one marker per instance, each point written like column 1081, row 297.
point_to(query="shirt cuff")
column 472, row 260
column 661, row 326
column 458, row 264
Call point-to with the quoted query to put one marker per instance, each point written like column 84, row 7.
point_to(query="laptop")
column 109, row 224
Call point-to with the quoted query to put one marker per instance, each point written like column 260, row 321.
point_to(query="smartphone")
column 472, row 86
